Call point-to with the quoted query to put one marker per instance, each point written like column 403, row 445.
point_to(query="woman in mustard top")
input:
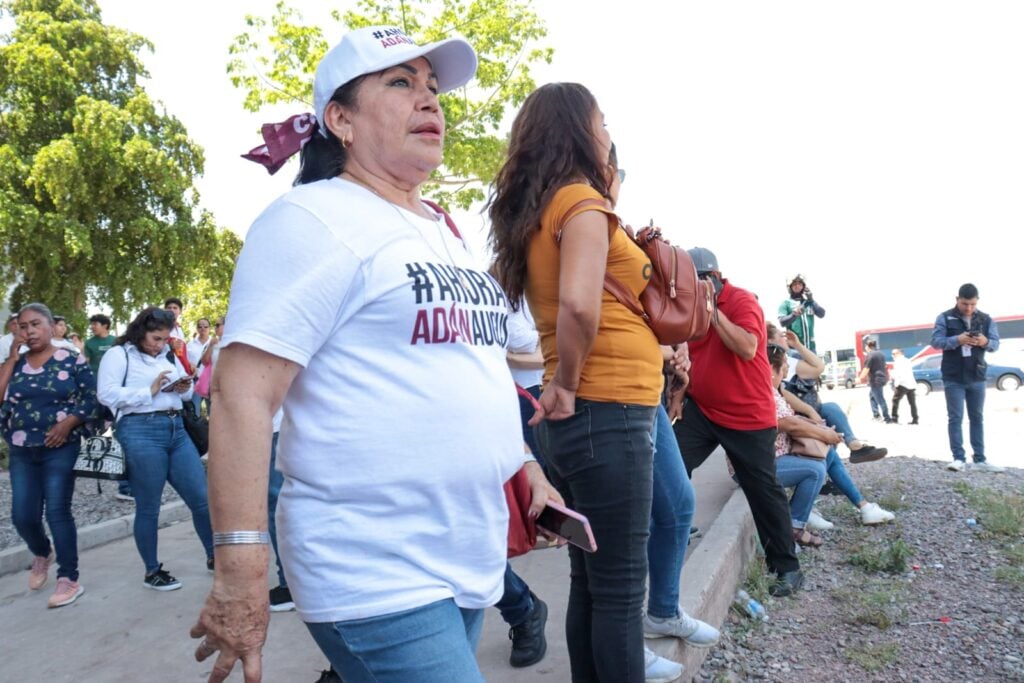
column 554, row 236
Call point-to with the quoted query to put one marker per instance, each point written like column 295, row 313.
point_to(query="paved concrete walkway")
column 121, row 631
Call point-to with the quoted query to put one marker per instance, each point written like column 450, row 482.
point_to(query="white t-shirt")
column 195, row 350
column 903, row 372
column 403, row 424
column 523, row 338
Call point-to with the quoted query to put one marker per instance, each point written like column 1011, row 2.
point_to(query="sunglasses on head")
column 162, row 315
column 775, row 349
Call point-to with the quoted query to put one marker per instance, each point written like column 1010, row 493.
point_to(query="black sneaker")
column 281, row 599
column 209, row 563
column 329, row 676
column 160, row 580
column 867, row 454
column 528, row 642
column 787, row 583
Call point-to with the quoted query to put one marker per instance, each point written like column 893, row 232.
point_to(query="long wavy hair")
column 551, row 145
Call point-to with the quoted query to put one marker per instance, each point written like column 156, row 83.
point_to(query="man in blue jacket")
column 964, row 334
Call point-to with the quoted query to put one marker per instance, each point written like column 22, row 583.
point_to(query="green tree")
column 274, row 62
column 97, row 198
column 206, row 295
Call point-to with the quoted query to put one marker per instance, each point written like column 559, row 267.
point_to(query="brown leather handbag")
column 675, row 304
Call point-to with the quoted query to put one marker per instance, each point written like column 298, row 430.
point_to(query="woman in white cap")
column 401, row 422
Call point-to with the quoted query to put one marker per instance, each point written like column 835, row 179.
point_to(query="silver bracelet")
column 241, row 538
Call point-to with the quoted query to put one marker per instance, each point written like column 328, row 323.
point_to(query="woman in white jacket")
column 144, row 386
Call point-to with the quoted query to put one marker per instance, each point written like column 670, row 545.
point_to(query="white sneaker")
column 818, row 523
column 660, row 670
column 872, row 513
column 694, row 631
column 956, row 466
column 986, row 466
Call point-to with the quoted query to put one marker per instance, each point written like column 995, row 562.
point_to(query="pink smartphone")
column 567, row 525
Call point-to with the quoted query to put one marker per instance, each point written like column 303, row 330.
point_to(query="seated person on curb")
column 803, row 474
column 809, row 366
column 870, row 513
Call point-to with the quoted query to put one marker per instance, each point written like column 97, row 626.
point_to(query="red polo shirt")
column 732, row 392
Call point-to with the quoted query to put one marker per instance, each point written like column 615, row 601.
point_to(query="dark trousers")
column 601, row 461
column 516, row 602
column 911, row 395
column 752, row 453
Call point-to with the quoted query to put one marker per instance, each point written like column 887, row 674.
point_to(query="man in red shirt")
column 731, row 403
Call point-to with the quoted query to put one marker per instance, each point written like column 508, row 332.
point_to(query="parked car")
column 840, row 376
column 928, row 375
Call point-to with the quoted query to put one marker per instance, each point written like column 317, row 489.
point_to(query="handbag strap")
column 614, row 286
column 447, row 219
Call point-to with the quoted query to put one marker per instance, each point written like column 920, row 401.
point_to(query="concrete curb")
column 711, row 575
column 19, row 558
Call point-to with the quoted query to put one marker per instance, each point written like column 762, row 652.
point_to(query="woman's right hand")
column 831, row 436
column 159, row 382
column 234, row 622
column 556, row 403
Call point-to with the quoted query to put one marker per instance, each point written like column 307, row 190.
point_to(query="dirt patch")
column 936, row 596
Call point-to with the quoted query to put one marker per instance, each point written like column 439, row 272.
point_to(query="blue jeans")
column 158, row 450
column 878, row 402
column 841, row 478
column 672, row 508
column 526, row 411
column 516, row 602
column 805, row 476
column 835, row 417
column 974, row 395
column 274, row 483
column 435, row 643
column 601, row 461
column 42, row 477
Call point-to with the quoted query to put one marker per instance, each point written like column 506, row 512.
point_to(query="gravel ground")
column 946, row 617
column 86, row 506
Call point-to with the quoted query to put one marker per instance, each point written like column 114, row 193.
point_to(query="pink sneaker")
column 40, row 568
column 67, row 592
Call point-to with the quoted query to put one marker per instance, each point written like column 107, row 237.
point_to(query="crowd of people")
column 391, row 535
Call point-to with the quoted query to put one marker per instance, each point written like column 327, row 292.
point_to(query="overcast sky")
column 875, row 147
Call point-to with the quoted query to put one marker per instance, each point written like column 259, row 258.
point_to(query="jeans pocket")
column 567, row 444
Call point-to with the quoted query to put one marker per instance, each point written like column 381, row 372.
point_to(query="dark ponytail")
column 324, row 157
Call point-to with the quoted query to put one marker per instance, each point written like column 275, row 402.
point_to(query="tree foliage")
column 275, row 59
column 97, row 201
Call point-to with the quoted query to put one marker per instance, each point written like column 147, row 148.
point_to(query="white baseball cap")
column 375, row 48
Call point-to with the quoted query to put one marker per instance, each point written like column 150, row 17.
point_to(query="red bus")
column 915, row 340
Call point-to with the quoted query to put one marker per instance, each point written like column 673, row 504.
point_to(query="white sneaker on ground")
column 124, row 496
column 660, row 670
column 956, row 466
column 872, row 513
column 818, row 523
column 985, row 466
column 694, row 631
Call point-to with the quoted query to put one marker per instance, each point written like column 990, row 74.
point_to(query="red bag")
column 522, row 532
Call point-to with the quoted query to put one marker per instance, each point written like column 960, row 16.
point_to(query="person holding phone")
column 144, row 384
column 554, row 236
